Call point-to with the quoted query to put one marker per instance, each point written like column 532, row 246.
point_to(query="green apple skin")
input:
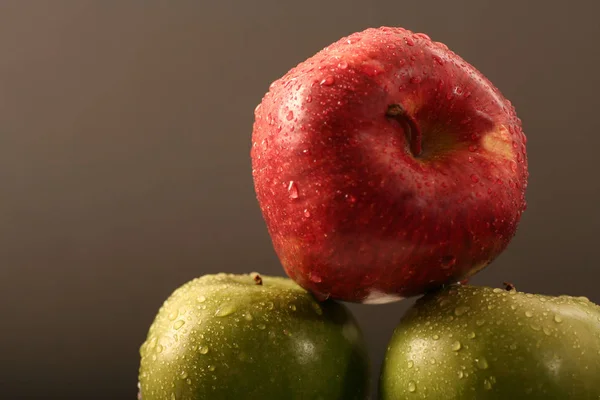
column 467, row 342
column 227, row 337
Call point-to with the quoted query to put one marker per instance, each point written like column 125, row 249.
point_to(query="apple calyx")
column 413, row 133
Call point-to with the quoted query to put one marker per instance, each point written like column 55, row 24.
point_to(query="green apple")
column 467, row 342
column 251, row 337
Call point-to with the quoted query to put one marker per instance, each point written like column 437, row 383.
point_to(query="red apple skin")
column 363, row 206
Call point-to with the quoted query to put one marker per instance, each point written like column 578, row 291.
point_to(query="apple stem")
column 258, row 279
column 509, row 286
column 413, row 133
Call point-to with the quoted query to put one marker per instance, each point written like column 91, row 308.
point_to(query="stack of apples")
column 385, row 167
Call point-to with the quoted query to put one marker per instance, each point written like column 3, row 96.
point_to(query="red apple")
column 385, row 165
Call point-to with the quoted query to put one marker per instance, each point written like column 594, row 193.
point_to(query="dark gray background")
column 125, row 171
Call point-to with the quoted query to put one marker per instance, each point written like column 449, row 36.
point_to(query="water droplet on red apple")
column 438, row 60
column 471, row 159
column 343, row 65
column 306, row 213
column 474, row 178
column 308, row 98
column 290, row 115
column 328, row 81
column 448, row 261
column 351, row 199
column 293, row 190
column 472, row 148
column 409, row 41
column 422, row 36
column 314, row 277
column 415, row 80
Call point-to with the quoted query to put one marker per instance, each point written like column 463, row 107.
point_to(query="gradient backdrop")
column 125, row 171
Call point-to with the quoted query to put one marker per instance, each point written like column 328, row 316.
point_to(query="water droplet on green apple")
column 487, row 384
column 557, row 318
column 456, row 346
column 412, row 386
column 481, row 363
column 201, row 299
column 225, row 309
column 458, row 311
column 178, row 324
column 203, row 349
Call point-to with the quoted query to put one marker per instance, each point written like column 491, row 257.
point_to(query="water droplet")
column 309, row 99
column 557, row 318
column 203, row 350
column 314, row 277
column 487, row 384
column 409, row 41
column 211, row 368
column 225, row 310
column 448, row 261
column 248, row 317
column 481, row 363
column 290, row 115
column 178, row 324
column 438, row 60
column 535, row 327
column 456, row 346
column 412, row 386
column 293, row 190
column 317, row 308
column 547, row 331
column 471, row 335
column 201, row 299
column 262, row 327
column 328, row 81
column 461, row 374
column 415, row 80
column 436, row 337
column 472, row 148
column 173, row 397
column 498, row 290
column 411, row 363
column 159, row 349
column 528, row 314
column 184, row 374
column 343, row 65
column 293, row 307
column 479, row 322
column 513, row 346
column 173, row 315
column 458, row 311
column 474, row 178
